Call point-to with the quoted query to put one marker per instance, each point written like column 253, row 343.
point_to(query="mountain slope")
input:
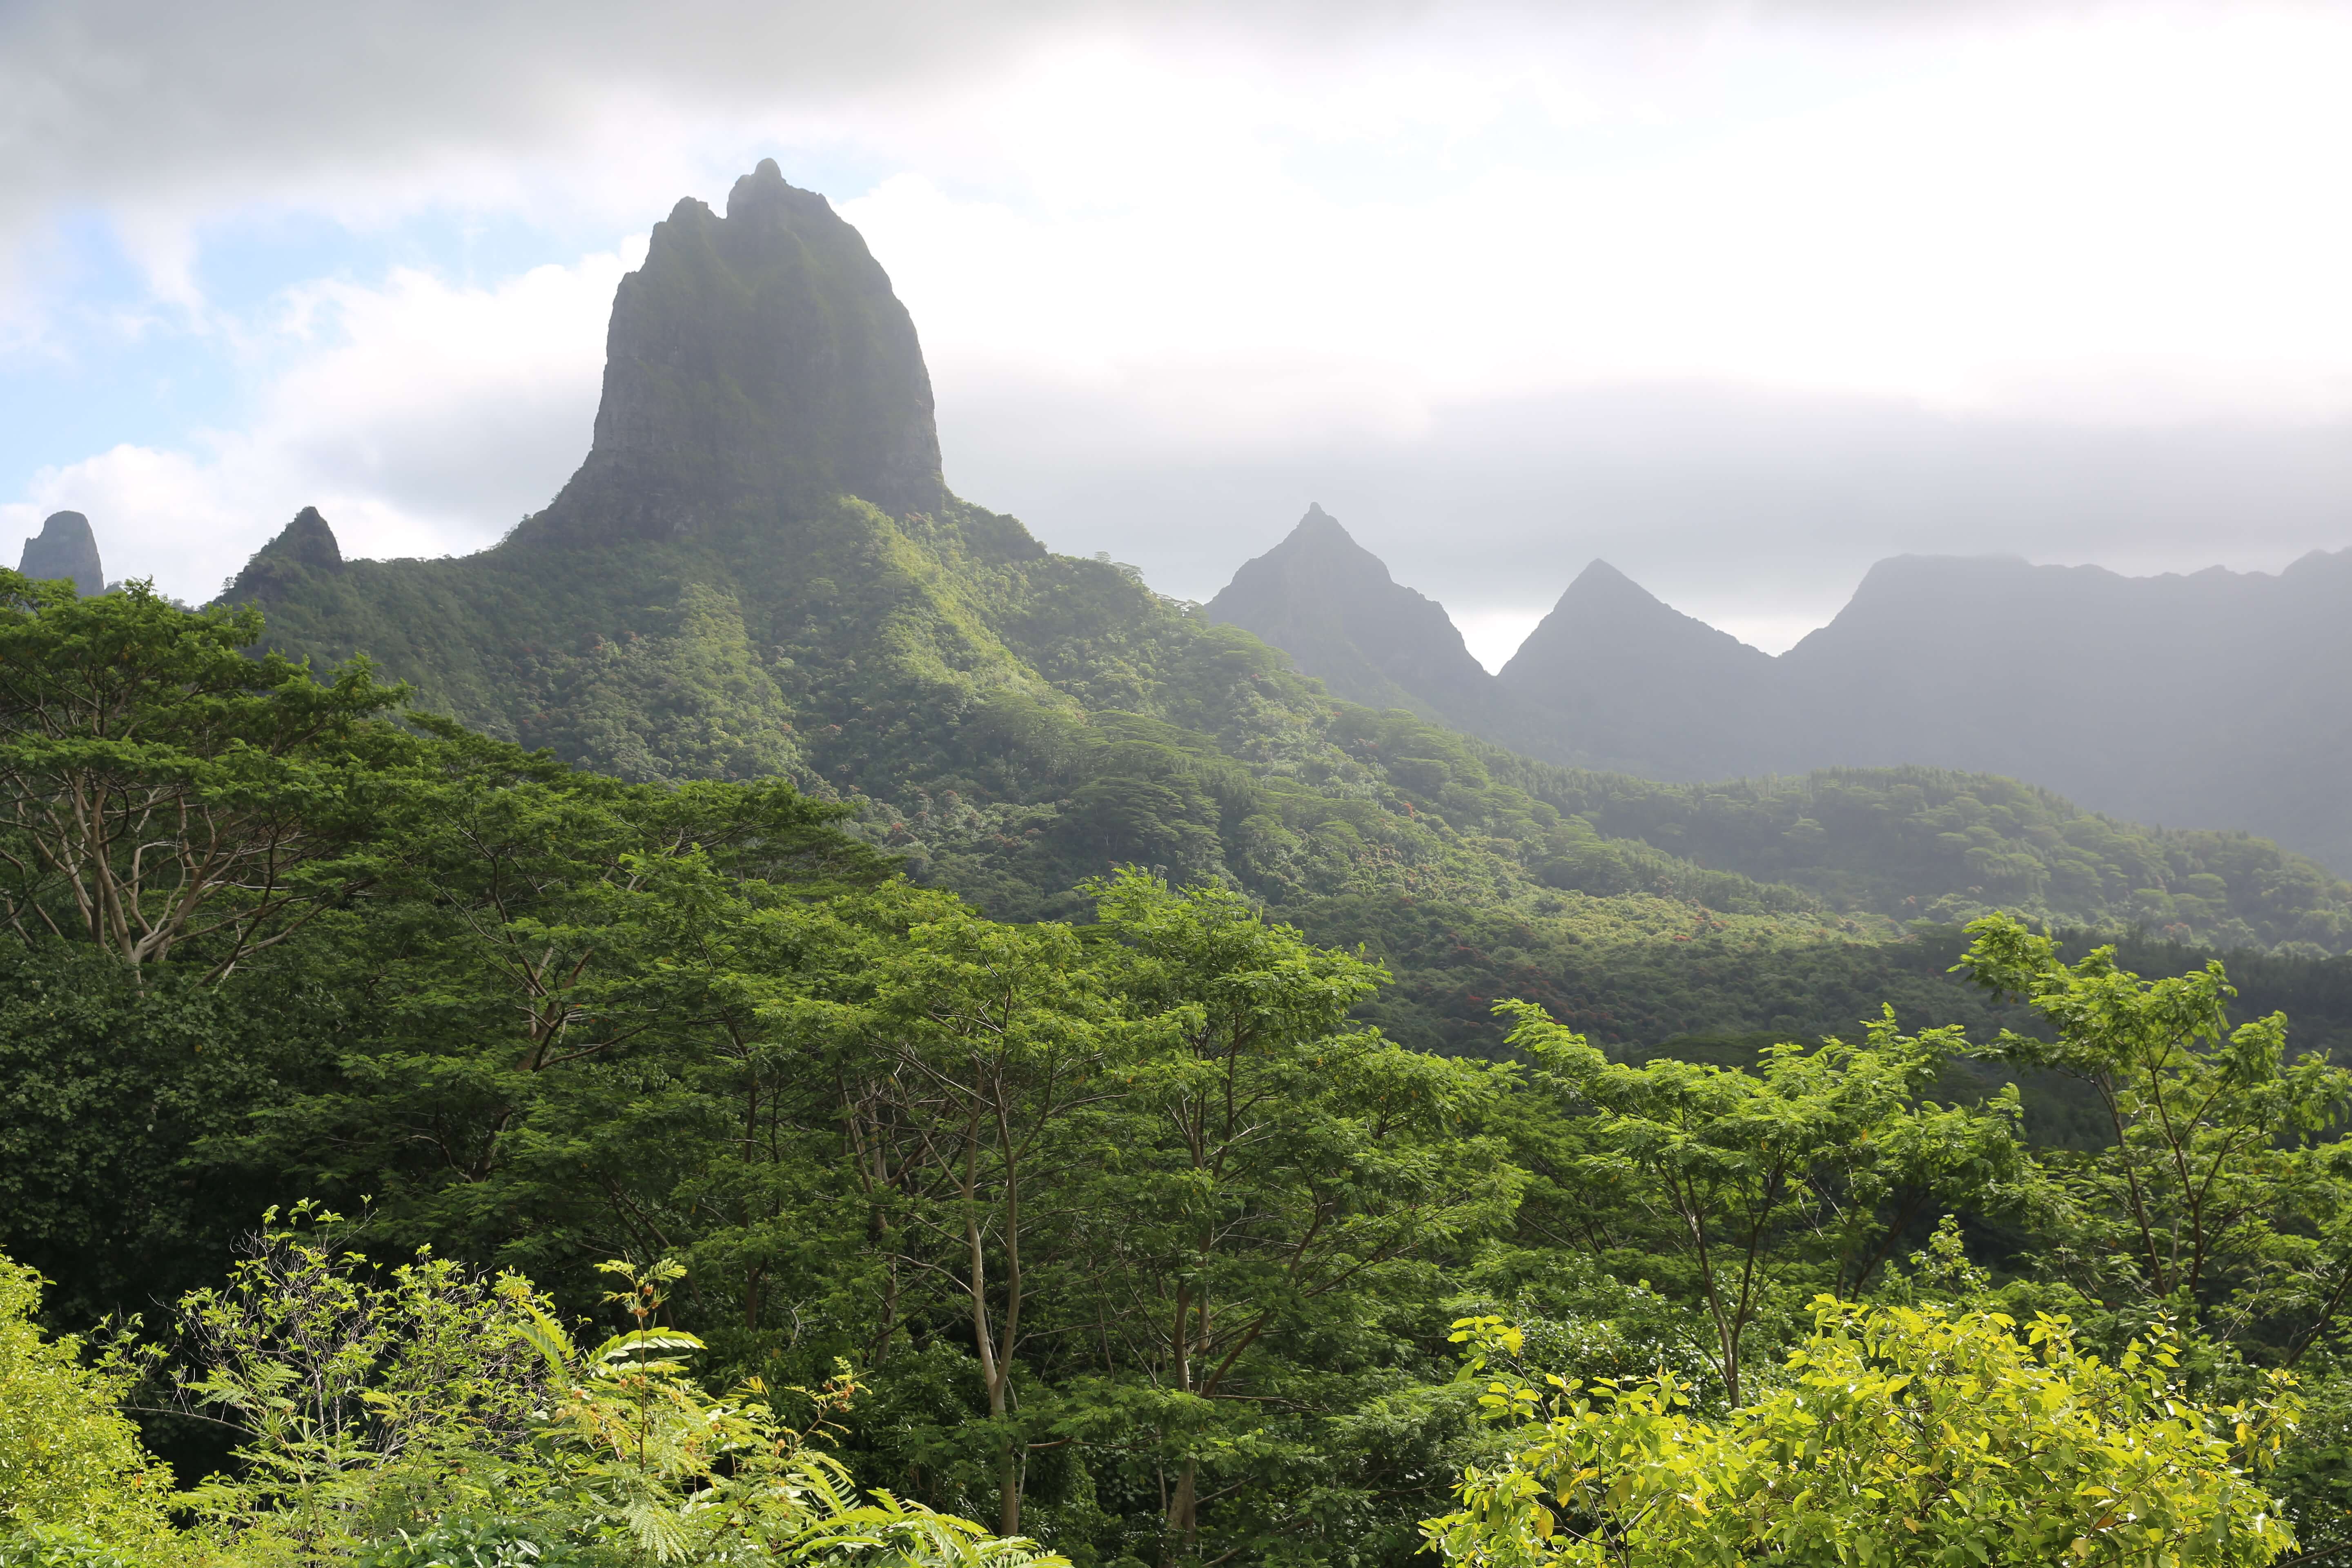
column 2215, row 697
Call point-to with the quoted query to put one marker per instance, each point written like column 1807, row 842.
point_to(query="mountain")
column 64, row 548
column 1332, row 605
column 2217, row 697
column 1630, row 683
column 1611, row 679
column 756, row 362
column 745, row 578
column 1606, row 673
column 306, row 542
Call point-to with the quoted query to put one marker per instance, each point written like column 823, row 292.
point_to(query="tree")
column 1273, row 1171
column 382, row 1413
column 351, row 1390
column 1830, row 1151
column 567, row 980
column 158, row 787
column 2218, row 1180
column 968, row 1050
column 1904, row 1435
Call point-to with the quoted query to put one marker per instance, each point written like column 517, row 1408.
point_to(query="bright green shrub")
column 69, row 1457
column 55, row 1546
column 1902, row 1437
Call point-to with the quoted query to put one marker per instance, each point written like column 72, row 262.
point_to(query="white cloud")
column 421, row 418
column 2115, row 221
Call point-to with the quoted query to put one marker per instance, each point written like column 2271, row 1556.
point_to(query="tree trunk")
column 1183, row 1527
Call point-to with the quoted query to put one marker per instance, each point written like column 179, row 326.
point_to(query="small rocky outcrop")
column 306, row 542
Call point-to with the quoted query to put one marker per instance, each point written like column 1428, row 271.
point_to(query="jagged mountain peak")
column 1638, row 684
column 765, row 197
column 1332, row 606
column 1320, row 546
column 64, row 548
column 308, row 540
column 757, row 365
column 1320, row 527
column 1599, row 577
column 308, row 543
column 1593, row 616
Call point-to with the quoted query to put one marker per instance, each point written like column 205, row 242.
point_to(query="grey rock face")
column 64, row 548
column 2216, row 699
column 756, row 364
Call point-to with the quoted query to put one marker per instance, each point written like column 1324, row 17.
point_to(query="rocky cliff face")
column 64, row 548
column 1332, row 605
column 759, row 525
column 757, row 364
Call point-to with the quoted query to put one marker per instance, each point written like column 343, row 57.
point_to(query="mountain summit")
column 64, row 548
column 762, row 511
column 1332, row 605
column 1639, row 684
column 1611, row 679
column 754, row 362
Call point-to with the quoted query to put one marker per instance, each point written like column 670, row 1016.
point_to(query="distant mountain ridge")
column 2217, row 698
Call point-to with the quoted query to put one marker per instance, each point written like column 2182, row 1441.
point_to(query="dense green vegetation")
column 1132, row 1234
column 1010, row 722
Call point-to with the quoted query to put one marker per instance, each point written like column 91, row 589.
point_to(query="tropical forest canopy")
column 499, row 1158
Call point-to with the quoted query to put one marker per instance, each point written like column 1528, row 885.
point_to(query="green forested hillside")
column 1011, row 721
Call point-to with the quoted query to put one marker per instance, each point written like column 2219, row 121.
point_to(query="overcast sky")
column 1738, row 297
